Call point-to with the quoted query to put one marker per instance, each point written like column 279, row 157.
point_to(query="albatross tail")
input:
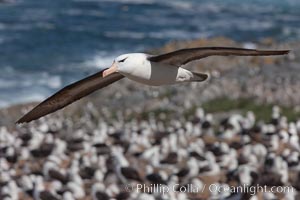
column 199, row 77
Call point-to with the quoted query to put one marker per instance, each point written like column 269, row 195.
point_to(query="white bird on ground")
column 77, row 191
column 68, row 196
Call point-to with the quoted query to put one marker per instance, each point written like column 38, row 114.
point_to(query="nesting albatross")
column 155, row 70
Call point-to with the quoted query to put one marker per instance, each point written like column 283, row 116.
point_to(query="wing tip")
column 271, row 52
column 22, row 120
column 28, row 117
column 279, row 52
column 285, row 51
column 199, row 77
column 205, row 77
column 19, row 122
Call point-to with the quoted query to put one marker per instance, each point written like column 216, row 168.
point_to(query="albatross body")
column 137, row 67
column 154, row 70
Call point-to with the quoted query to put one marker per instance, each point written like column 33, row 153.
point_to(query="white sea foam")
column 125, row 34
column 122, row 1
column 33, row 97
column 36, row 14
column 45, row 25
column 287, row 31
column 180, row 4
column 21, row 97
column 136, row 1
column 20, row 27
column 53, row 82
column 19, row 87
column 2, row 40
column 5, row 83
column 36, row 86
column 176, row 34
column 287, row 17
column 2, row 26
column 205, row 7
column 249, row 45
column 78, row 12
column 256, row 25
column 100, row 60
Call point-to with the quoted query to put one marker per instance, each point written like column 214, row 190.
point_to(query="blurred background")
column 240, row 128
column 47, row 44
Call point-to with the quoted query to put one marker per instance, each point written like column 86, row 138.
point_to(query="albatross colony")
column 154, row 70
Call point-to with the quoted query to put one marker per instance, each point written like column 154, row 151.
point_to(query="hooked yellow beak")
column 110, row 70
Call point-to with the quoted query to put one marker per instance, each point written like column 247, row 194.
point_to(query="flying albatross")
column 155, row 70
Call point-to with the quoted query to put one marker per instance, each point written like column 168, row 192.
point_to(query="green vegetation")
column 219, row 105
column 261, row 111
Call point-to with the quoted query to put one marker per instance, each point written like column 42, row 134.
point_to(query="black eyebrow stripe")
column 123, row 60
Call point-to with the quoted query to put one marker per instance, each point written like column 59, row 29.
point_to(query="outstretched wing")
column 184, row 56
column 69, row 94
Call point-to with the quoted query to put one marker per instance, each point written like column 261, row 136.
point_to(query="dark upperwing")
column 69, row 94
column 183, row 56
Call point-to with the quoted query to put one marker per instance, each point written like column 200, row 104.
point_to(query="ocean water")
column 47, row 44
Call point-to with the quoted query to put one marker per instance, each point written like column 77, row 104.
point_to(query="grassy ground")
column 220, row 105
column 261, row 111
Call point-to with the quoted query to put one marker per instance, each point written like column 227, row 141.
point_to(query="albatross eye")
column 122, row 60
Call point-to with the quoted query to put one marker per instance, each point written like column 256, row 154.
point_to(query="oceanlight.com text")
column 213, row 188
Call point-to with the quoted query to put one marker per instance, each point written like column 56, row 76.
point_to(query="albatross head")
column 124, row 63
